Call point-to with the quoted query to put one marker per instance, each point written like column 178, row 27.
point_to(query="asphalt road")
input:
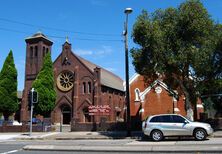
column 12, row 146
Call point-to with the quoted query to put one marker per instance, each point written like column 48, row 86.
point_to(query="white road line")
column 2, row 141
column 53, row 133
column 13, row 151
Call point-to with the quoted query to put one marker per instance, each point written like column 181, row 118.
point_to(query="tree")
column 44, row 85
column 8, row 87
column 211, row 84
column 176, row 43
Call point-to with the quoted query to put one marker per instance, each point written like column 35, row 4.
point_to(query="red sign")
column 99, row 110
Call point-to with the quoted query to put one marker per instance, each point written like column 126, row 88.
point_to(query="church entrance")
column 66, row 115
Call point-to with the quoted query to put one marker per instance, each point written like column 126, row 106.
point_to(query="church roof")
column 107, row 78
column 39, row 35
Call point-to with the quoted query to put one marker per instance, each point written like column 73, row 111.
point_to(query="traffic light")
column 29, row 100
column 34, row 97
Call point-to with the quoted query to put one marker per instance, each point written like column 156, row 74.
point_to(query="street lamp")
column 127, row 11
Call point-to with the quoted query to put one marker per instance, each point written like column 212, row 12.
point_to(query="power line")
column 12, row 30
column 60, row 37
column 56, row 29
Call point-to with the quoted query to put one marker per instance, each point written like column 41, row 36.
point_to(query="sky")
column 93, row 27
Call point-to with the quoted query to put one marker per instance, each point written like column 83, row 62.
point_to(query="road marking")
column 13, row 151
column 49, row 134
column 2, row 141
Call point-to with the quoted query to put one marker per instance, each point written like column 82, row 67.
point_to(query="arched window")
column 110, row 99
column 31, row 52
column 137, row 95
column 84, row 88
column 89, row 87
column 47, row 50
column 43, row 51
column 86, row 116
column 36, row 51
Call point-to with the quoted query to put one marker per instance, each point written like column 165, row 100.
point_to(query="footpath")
column 86, row 135
column 137, row 142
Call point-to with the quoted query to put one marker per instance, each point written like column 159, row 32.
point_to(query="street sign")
column 99, row 110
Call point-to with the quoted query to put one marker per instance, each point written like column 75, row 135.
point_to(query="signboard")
column 99, row 110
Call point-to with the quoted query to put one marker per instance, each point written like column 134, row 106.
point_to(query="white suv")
column 159, row 126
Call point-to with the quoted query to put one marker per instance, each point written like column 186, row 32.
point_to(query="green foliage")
column 179, row 44
column 44, row 85
column 8, row 87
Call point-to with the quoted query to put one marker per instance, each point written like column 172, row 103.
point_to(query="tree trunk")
column 188, row 106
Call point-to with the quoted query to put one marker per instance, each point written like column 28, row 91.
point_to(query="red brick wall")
column 153, row 103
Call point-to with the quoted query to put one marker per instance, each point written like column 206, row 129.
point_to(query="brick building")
column 79, row 84
column 154, row 98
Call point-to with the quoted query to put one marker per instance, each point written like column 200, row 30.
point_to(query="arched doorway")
column 86, row 116
column 66, row 114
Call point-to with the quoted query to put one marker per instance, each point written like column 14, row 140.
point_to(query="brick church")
column 79, row 84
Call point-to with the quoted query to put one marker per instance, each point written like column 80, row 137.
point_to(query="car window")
column 178, row 119
column 156, row 119
column 166, row 119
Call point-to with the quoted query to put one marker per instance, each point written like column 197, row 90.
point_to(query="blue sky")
column 94, row 28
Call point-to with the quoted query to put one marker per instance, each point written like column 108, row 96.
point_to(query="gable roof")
column 162, row 84
column 133, row 78
column 107, row 78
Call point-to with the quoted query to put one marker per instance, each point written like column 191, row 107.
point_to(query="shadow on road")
column 169, row 139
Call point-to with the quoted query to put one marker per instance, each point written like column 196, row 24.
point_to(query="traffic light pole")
column 31, row 112
column 30, row 133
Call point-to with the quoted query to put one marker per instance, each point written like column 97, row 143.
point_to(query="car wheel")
column 156, row 135
column 200, row 134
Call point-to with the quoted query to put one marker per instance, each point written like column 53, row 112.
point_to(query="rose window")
column 65, row 81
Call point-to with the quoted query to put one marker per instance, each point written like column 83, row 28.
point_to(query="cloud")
column 104, row 51
column 82, row 52
column 101, row 52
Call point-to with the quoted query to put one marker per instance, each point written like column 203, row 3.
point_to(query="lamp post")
column 127, row 12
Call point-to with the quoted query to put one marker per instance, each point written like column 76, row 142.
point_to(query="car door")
column 166, row 125
column 180, row 125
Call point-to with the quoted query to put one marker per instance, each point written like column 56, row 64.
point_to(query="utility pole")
column 127, row 11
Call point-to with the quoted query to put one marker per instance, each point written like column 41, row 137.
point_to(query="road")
column 13, row 146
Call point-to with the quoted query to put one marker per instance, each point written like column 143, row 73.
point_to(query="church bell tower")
column 37, row 46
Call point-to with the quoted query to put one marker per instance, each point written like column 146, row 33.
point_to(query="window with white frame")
column 137, row 95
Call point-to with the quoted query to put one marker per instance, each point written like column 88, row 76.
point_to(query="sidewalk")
column 85, row 135
column 79, row 135
column 26, row 136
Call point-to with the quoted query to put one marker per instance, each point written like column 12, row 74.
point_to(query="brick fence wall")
column 25, row 128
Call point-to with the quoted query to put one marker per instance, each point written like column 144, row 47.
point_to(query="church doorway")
column 66, row 114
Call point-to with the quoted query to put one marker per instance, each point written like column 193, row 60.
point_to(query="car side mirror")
column 186, row 122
